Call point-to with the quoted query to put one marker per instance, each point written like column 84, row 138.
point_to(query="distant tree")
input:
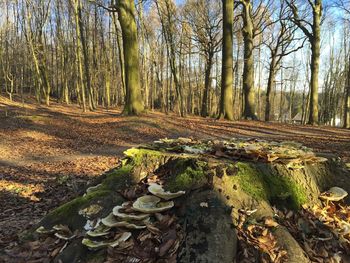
column 167, row 13
column 226, row 101
column 35, row 17
column 312, row 30
column 80, row 40
column 280, row 45
column 126, row 17
column 204, row 17
column 255, row 21
column 346, row 116
column 344, row 5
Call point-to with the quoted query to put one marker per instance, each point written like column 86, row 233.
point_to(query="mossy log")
column 224, row 185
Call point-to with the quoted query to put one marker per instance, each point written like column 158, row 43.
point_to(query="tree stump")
column 220, row 179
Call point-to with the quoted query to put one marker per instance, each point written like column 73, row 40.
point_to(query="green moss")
column 260, row 182
column 117, row 178
column 251, row 181
column 284, row 191
column 187, row 175
column 68, row 212
column 73, row 206
column 138, row 155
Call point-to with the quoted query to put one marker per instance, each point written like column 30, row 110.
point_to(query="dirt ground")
column 48, row 155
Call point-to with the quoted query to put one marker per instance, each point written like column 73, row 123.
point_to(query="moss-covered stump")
column 219, row 178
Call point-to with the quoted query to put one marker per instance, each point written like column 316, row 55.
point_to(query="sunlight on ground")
column 23, row 190
column 5, row 103
column 34, row 118
column 39, row 136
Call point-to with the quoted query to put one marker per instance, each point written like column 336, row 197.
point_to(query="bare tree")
column 204, row 17
column 126, row 16
column 280, row 45
column 35, row 15
column 167, row 14
column 255, row 21
column 312, row 30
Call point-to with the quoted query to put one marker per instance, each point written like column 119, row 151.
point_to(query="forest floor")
column 48, row 155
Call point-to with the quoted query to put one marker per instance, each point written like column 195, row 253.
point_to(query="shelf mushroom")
column 158, row 190
column 151, row 204
column 111, row 221
column 99, row 231
column 334, row 194
column 94, row 245
column 128, row 216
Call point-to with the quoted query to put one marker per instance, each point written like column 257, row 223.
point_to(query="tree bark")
column 248, row 71
column 269, row 90
column 207, row 82
column 126, row 16
column 346, row 114
column 315, row 62
column 226, row 102
column 80, row 83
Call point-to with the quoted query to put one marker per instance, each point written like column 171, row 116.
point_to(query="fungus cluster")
column 292, row 154
column 135, row 215
column 334, row 194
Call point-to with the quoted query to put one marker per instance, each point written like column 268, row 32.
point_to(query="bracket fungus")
column 128, row 216
column 111, row 221
column 43, row 230
column 158, row 191
column 151, row 204
column 94, row 245
column 194, row 150
column 92, row 188
column 99, row 231
column 64, row 236
column 334, row 194
column 63, row 232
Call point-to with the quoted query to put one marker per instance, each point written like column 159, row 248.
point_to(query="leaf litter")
column 158, row 241
column 161, row 239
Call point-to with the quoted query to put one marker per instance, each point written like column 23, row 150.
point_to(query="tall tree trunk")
column 80, row 83
column 120, row 54
column 226, row 102
column 270, row 84
column 85, row 56
column 168, row 30
column 126, row 16
column 346, row 114
column 207, row 82
column 248, row 71
column 315, row 62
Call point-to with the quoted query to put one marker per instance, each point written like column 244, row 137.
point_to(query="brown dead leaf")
column 270, row 222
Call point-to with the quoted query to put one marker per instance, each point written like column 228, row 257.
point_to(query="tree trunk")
column 226, row 102
column 85, row 56
column 315, row 63
column 248, row 71
column 207, row 82
column 347, row 108
column 126, row 16
column 346, row 113
column 80, row 82
column 270, row 85
column 168, row 31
